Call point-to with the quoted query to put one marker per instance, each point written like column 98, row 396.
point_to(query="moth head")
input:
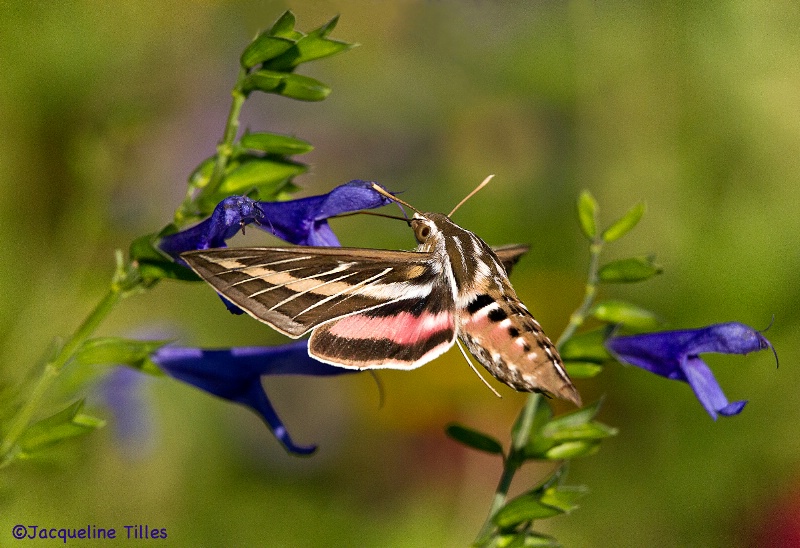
column 425, row 229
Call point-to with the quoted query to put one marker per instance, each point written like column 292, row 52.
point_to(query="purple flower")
column 235, row 374
column 675, row 355
column 229, row 217
column 122, row 391
column 301, row 222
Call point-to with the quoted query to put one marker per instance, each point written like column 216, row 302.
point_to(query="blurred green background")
column 106, row 107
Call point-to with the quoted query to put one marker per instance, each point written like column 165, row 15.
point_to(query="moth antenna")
column 489, row 386
column 471, row 194
column 393, row 198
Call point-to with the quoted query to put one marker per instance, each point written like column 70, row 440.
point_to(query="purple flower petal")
column 235, row 374
column 707, row 389
column 304, row 221
column 230, row 215
column 674, row 355
column 301, row 222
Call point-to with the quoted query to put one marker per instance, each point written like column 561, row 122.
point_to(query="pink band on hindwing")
column 401, row 328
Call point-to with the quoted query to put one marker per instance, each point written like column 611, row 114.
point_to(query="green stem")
column 520, row 438
column 225, row 150
column 123, row 284
column 511, row 464
column 579, row 316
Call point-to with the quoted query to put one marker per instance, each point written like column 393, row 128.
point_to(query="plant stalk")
column 52, row 368
column 520, row 438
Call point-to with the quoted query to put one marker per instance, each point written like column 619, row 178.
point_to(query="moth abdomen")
column 508, row 342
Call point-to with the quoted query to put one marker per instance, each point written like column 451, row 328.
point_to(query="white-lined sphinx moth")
column 371, row 308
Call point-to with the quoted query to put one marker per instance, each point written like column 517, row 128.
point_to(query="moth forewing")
column 295, row 289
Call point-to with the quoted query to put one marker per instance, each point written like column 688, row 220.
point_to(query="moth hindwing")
column 370, row 308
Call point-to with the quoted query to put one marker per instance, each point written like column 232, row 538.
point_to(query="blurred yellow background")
column 105, row 108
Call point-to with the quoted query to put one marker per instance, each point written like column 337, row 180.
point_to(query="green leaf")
column 578, row 417
column 264, row 48
column 624, row 224
column 635, row 269
column 587, row 347
column 473, row 438
column 564, row 497
column 570, row 435
column 587, row 214
column 525, row 539
column 572, row 449
column 120, row 351
column 258, row 174
column 622, row 313
column 315, row 45
column 202, row 173
column 273, row 143
column 65, row 424
column 582, row 370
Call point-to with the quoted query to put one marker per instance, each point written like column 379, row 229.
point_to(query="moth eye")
column 421, row 232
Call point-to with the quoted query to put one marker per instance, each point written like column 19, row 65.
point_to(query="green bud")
column 314, row 45
column 284, row 27
column 264, row 48
column 572, row 449
column 524, row 508
column 263, row 80
column 303, row 88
